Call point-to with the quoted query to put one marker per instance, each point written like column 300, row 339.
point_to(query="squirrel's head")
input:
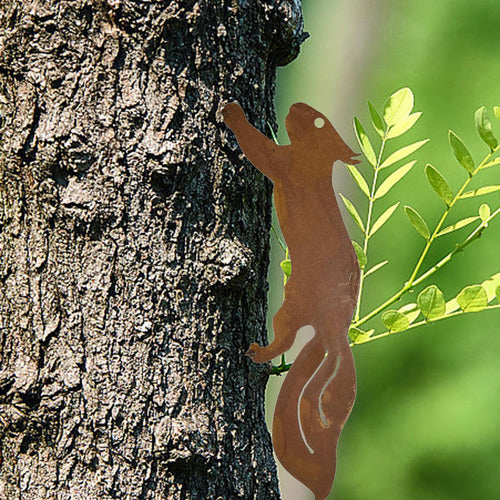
column 311, row 131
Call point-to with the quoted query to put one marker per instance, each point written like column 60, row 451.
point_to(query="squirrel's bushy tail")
column 313, row 405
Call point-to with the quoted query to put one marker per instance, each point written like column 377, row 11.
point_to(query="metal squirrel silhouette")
column 319, row 391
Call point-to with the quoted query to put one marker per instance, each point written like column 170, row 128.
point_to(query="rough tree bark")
column 133, row 247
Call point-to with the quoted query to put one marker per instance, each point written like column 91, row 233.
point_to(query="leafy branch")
column 395, row 120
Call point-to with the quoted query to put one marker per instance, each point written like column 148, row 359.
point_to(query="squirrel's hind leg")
column 286, row 322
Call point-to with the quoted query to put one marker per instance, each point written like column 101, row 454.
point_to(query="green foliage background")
column 426, row 421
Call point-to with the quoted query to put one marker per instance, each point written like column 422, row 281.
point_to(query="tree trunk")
column 134, row 247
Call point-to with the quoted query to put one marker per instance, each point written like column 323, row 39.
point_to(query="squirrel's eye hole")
column 319, row 122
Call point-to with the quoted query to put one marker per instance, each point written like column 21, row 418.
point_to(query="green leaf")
column 484, row 211
column 358, row 336
column 496, row 110
column 354, row 213
column 377, row 122
column 392, row 179
column 438, row 183
column 359, row 179
column 458, row 225
column 376, row 267
column 490, row 285
column 364, row 142
column 497, row 293
column 398, row 106
column 483, row 126
column 404, row 125
column 362, row 259
column 480, row 191
column 431, row 302
column 403, row 153
column 383, row 218
column 286, row 265
column 395, row 321
column 411, row 311
column 461, row 152
column 472, row 298
column 418, row 223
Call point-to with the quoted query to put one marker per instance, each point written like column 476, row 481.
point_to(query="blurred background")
column 426, row 424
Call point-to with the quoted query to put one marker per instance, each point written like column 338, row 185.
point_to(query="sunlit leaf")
column 458, row 225
column 376, row 267
column 431, row 302
column 480, row 191
column 411, row 311
column 483, row 126
column 403, row 125
column 484, row 211
column 398, row 106
column 362, row 259
column 497, row 293
column 394, row 321
column 490, row 285
column 359, row 179
column 286, row 265
column 496, row 110
column 438, row 183
column 403, row 153
column 377, row 122
column 364, row 142
column 472, row 298
column 358, row 336
column 417, row 222
column 461, row 152
column 383, row 218
column 392, row 179
column 354, row 213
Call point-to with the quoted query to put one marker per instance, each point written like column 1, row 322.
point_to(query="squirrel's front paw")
column 253, row 352
column 232, row 114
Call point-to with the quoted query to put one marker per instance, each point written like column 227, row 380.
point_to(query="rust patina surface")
column 319, row 391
